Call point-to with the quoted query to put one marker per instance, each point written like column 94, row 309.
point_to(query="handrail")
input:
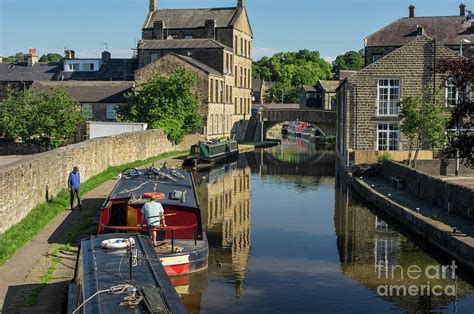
column 143, row 229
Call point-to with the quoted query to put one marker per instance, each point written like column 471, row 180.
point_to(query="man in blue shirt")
column 153, row 213
column 74, row 186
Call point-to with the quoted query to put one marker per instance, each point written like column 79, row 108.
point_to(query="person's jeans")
column 78, row 195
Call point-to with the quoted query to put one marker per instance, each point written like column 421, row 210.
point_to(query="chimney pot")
column 411, row 10
column 462, row 9
column 69, row 54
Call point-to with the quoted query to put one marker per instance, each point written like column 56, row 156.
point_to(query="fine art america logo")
column 432, row 273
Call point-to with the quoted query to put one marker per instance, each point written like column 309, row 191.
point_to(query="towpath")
column 35, row 279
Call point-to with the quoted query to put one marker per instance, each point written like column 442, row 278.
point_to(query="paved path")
column 441, row 218
column 22, row 287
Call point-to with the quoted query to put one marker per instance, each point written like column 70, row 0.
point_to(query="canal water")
column 285, row 237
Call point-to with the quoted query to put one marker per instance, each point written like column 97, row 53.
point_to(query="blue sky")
column 331, row 27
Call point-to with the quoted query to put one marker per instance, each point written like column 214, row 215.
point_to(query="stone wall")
column 14, row 148
column 28, row 182
column 437, row 167
column 444, row 194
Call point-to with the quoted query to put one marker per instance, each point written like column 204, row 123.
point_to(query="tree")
column 351, row 60
column 47, row 118
column 460, row 73
column 423, row 123
column 167, row 103
column 51, row 57
column 290, row 71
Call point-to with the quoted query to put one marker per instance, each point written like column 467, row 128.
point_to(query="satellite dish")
column 169, row 37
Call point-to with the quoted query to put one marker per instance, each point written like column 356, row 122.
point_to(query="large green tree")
column 423, row 124
column 290, row 71
column 351, row 60
column 167, row 103
column 51, row 57
column 47, row 118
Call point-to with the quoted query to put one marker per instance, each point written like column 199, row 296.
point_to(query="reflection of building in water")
column 225, row 203
column 375, row 255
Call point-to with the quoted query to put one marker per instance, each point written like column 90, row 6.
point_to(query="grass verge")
column 18, row 235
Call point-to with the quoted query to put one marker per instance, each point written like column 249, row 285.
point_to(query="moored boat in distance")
column 184, row 248
column 203, row 156
column 128, row 278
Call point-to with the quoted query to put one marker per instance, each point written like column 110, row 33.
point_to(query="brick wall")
column 27, row 182
column 444, row 194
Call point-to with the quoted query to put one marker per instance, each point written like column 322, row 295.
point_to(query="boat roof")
column 105, row 268
column 138, row 185
column 219, row 143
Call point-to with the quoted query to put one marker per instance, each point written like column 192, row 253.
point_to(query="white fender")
column 117, row 243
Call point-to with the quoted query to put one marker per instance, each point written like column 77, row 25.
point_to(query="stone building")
column 453, row 32
column 368, row 101
column 260, row 91
column 320, row 96
column 220, row 39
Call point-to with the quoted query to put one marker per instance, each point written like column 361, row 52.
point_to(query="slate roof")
column 448, row 30
column 114, row 69
column 198, row 64
column 21, row 72
column 343, row 74
column 202, row 43
column 191, row 18
column 90, row 91
column 329, row 86
column 308, row 88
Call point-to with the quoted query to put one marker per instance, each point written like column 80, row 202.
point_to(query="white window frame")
column 393, row 106
column 111, row 114
column 457, row 95
column 387, row 132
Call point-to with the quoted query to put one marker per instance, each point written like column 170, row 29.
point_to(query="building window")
column 188, row 36
column 248, row 53
column 236, row 75
column 241, row 76
column 236, row 45
column 241, row 105
column 249, row 76
column 245, row 78
column 245, row 48
column 376, row 57
column 111, row 112
column 222, row 91
column 235, row 105
column 388, row 97
column 217, row 91
column 388, row 136
column 74, row 67
column 453, row 95
column 153, row 57
column 241, row 46
column 227, row 94
column 227, row 63
column 87, row 112
column 88, row 67
column 230, row 97
column 231, row 63
column 212, row 91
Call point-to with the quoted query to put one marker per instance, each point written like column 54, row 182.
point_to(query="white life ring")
column 117, row 243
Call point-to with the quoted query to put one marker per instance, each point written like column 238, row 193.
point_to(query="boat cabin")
column 210, row 150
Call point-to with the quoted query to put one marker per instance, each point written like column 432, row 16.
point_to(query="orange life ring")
column 155, row 195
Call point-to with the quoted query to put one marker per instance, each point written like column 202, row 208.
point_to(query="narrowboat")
column 183, row 247
column 203, row 156
column 126, row 277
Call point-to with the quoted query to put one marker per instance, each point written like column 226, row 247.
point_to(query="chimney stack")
column 158, row 30
column 32, row 57
column 210, row 26
column 462, row 9
column 106, row 56
column 69, row 54
column 153, row 6
column 240, row 3
column 420, row 30
column 411, row 10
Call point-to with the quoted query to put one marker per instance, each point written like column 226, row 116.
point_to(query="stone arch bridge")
column 325, row 120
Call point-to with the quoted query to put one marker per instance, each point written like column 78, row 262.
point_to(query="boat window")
column 118, row 214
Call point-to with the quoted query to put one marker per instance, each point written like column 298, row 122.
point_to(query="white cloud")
column 259, row 52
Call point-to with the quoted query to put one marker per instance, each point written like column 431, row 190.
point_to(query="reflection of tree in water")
column 225, row 205
column 364, row 241
column 298, row 183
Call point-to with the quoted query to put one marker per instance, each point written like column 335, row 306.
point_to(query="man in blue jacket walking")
column 74, row 186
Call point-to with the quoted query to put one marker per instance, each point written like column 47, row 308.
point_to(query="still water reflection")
column 284, row 237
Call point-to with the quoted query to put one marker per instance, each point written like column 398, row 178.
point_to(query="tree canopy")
column 51, row 57
column 351, row 60
column 49, row 119
column 23, row 57
column 460, row 72
column 290, row 71
column 167, row 103
column 423, row 123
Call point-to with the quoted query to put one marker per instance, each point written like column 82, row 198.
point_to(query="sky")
column 331, row 27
